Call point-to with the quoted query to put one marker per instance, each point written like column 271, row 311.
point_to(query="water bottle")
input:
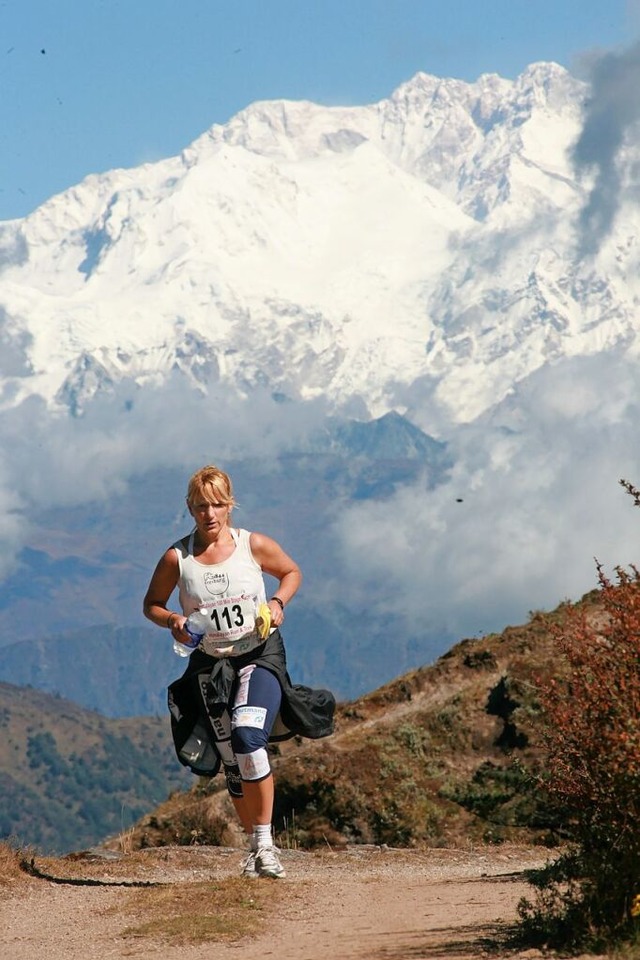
column 196, row 627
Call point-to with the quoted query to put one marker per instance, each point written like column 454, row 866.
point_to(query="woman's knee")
column 248, row 739
column 250, row 747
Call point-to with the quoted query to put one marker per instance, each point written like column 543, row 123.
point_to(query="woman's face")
column 211, row 517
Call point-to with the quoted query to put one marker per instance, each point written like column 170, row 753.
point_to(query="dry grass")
column 203, row 912
column 124, row 841
column 10, row 870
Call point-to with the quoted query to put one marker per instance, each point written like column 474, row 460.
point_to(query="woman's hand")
column 277, row 613
column 176, row 628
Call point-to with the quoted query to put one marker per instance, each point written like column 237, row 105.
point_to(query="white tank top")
column 230, row 592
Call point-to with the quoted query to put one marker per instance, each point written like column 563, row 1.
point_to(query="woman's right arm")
column 162, row 584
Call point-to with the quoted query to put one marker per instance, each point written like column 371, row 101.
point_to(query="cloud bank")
column 610, row 113
column 534, row 497
column 61, row 461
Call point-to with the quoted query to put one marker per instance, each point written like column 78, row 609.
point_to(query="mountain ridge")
column 242, row 219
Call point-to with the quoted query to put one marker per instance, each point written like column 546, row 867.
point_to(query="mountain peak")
column 552, row 85
column 381, row 229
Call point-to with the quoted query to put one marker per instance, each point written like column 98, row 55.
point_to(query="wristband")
column 171, row 616
column 279, row 602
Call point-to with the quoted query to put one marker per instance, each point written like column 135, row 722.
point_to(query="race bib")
column 231, row 618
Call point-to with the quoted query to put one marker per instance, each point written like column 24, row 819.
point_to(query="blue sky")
column 89, row 85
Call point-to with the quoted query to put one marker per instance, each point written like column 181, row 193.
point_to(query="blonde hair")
column 211, row 485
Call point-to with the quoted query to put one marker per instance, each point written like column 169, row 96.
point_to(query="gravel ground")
column 365, row 902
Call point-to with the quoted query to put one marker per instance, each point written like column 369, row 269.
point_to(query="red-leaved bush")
column 593, row 716
column 592, row 734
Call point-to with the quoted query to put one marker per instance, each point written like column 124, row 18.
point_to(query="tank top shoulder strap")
column 184, row 549
column 244, row 542
column 242, row 539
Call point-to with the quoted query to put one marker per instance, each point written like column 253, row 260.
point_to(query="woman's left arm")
column 274, row 561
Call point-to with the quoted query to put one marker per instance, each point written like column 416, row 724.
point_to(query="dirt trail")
column 365, row 902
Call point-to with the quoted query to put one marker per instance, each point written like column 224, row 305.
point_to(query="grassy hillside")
column 70, row 777
column 443, row 755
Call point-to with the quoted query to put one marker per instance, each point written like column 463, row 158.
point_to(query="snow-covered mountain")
column 398, row 324
column 417, row 254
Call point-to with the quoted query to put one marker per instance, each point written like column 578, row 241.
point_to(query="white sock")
column 262, row 835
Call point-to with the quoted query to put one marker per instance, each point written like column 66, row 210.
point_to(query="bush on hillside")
column 590, row 896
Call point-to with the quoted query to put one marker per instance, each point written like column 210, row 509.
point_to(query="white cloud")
column 53, row 461
column 533, row 497
column 539, row 499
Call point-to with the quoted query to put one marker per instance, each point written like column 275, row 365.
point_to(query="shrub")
column 592, row 733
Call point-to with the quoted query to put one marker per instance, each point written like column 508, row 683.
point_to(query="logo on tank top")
column 216, row 583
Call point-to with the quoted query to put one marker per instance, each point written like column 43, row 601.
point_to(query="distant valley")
column 70, row 777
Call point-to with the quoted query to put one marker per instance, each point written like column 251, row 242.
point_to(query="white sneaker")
column 268, row 864
column 249, row 865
